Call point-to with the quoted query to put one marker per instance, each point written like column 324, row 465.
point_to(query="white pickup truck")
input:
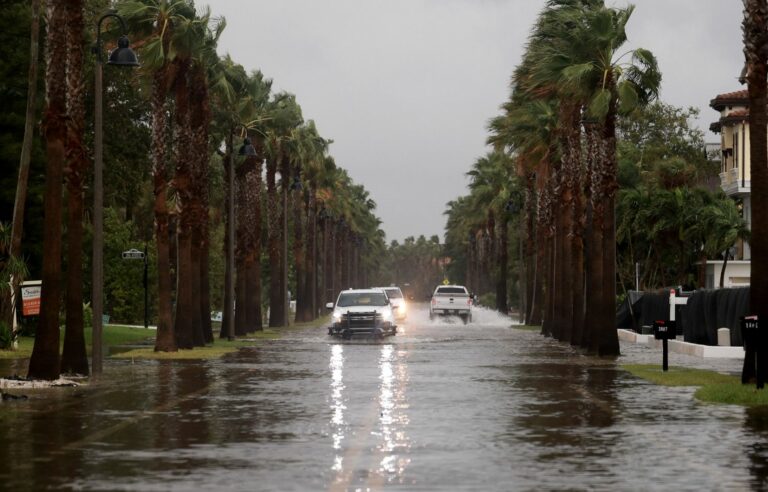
column 362, row 312
column 451, row 300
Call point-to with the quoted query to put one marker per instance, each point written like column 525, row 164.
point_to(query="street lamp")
column 125, row 57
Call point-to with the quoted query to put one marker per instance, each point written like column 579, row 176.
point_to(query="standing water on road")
column 439, row 406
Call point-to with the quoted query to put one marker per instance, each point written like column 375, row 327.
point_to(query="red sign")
column 30, row 300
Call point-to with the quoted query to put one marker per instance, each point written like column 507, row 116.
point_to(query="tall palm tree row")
column 200, row 106
column 558, row 130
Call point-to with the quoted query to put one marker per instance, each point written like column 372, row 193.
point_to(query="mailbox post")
column 753, row 367
column 664, row 330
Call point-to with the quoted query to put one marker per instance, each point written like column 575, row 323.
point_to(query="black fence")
column 697, row 321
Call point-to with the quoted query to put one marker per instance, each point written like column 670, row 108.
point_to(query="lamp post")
column 120, row 56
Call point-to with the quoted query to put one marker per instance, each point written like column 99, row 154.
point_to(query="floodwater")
column 441, row 406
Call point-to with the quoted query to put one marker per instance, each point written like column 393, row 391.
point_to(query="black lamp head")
column 296, row 185
column 247, row 149
column 123, row 55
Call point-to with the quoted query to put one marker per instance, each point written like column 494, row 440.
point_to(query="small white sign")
column 133, row 254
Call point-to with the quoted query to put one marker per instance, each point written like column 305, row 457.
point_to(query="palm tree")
column 490, row 188
column 526, row 130
column 159, row 22
column 285, row 115
column 204, row 62
column 44, row 362
column 582, row 62
column 255, row 119
column 724, row 227
column 190, row 40
column 17, row 227
column 312, row 150
column 74, row 358
column 755, row 37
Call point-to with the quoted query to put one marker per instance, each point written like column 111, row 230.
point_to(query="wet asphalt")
column 439, row 406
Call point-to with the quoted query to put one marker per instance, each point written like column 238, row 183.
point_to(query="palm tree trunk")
column 285, row 183
column 722, row 271
column 311, row 281
column 253, row 243
column 593, row 238
column 605, row 327
column 74, row 358
column 44, row 362
column 188, row 329
column 273, row 247
column 166, row 336
column 200, row 121
column 299, row 256
column 530, row 247
column 501, row 280
column 754, row 28
column 227, row 161
column 17, row 228
column 329, row 275
column 242, row 209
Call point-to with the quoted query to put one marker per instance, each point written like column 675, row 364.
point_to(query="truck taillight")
column 434, row 301
column 469, row 302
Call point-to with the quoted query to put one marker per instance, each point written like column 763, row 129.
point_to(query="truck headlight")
column 386, row 316
column 337, row 316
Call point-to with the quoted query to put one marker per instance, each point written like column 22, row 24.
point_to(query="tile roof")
column 729, row 98
column 742, row 94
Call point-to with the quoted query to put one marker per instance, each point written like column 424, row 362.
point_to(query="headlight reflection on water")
column 389, row 426
column 393, row 420
column 337, row 403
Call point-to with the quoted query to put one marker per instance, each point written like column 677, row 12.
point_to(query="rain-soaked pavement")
column 440, row 406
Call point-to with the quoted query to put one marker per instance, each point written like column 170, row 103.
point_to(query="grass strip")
column 713, row 387
column 117, row 335
column 215, row 350
column 679, row 376
column 112, row 335
column 527, row 327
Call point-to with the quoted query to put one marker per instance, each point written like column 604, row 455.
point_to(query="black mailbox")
column 664, row 330
column 754, row 362
column 749, row 331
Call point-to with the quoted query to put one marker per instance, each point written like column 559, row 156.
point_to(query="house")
column 733, row 127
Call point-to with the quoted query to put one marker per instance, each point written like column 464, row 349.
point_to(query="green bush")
column 488, row 300
column 6, row 336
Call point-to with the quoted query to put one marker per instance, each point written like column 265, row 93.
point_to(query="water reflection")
column 393, row 417
column 565, row 405
column 337, row 404
column 757, row 428
column 370, row 448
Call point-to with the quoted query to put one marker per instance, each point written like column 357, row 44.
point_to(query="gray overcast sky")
column 405, row 87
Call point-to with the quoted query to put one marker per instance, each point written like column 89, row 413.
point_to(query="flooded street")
column 440, row 406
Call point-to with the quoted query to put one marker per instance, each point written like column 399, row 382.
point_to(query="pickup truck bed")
column 451, row 301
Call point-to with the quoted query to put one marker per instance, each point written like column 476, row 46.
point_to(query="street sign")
column 133, row 254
